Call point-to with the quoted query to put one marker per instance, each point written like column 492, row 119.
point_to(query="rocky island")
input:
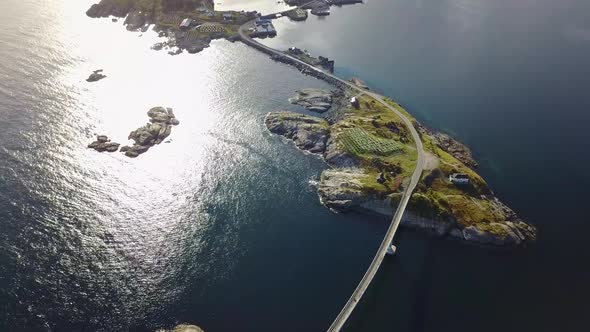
column 103, row 143
column 96, row 75
column 371, row 156
column 314, row 100
column 153, row 133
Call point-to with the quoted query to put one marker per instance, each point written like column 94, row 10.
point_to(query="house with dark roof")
column 459, row 178
column 186, row 24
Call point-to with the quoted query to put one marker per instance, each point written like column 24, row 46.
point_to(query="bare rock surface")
column 315, row 100
column 96, row 75
column 309, row 133
column 153, row 133
column 341, row 189
column 103, row 143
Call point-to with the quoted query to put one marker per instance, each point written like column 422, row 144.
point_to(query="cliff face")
column 309, row 133
column 369, row 173
column 342, row 190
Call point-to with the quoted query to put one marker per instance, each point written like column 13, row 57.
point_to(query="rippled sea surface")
column 221, row 227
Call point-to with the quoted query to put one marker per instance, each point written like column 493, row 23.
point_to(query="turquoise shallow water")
column 221, row 227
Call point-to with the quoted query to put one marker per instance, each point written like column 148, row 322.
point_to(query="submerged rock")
column 96, row 76
column 309, row 133
column 103, row 143
column 315, row 100
column 155, row 132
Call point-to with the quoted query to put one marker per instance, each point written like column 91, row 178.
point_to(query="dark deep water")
column 510, row 79
column 221, row 228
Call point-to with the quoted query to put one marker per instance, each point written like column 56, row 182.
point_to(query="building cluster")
column 264, row 28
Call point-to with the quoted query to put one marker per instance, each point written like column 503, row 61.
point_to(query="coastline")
column 502, row 234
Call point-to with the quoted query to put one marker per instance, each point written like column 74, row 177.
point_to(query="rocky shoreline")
column 96, row 75
column 103, row 143
column 315, row 100
column 195, row 37
column 153, row 133
column 309, row 133
column 452, row 146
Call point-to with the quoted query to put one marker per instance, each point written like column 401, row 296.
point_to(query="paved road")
column 397, row 217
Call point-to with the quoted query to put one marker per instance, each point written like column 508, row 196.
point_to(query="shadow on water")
column 398, row 280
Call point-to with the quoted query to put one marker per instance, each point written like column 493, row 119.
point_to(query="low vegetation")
column 384, row 147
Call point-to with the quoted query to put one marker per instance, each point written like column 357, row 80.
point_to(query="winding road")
column 397, row 217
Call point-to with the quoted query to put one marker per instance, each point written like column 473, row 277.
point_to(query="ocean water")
column 510, row 79
column 221, row 228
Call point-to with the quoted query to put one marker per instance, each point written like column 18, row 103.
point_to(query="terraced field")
column 192, row 35
column 357, row 141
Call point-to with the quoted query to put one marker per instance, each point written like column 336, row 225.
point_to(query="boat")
column 391, row 250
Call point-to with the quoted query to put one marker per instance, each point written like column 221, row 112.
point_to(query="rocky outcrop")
column 160, row 127
column 184, row 328
column 96, row 75
column 341, row 189
column 103, row 143
column 336, row 157
column 309, row 133
column 455, row 148
column 358, row 82
column 500, row 234
column 315, row 100
column 106, row 8
column 135, row 20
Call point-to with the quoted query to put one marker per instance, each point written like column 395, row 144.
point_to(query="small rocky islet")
column 153, row 133
column 103, row 143
column 371, row 155
column 96, row 75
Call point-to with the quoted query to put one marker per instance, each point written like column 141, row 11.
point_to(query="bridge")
column 397, row 217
